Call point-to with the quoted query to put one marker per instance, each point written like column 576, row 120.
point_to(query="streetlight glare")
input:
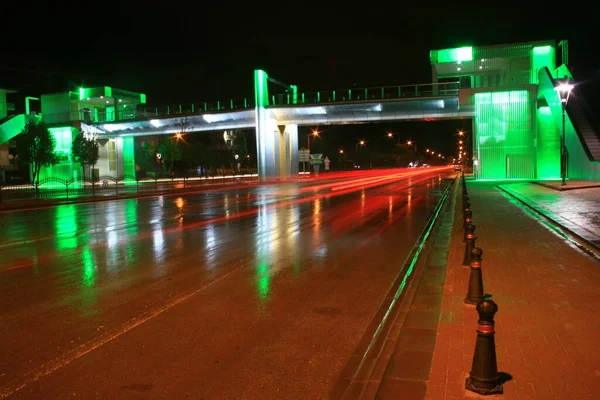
column 315, row 132
column 362, row 142
column 409, row 142
column 390, row 134
column 564, row 88
column 460, row 133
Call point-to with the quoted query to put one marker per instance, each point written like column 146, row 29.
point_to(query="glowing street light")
column 341, row 151
column 411, row 143
column 315, row 134
column 461, row 133
column 361, row 143
column 564, row 91
column 390, row 134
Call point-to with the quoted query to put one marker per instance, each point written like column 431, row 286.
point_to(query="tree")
column 195, row 154
column 240, row 143
column 220, row 154
column 183, row 126
column 36, row 146
column 169, row 150
column 85, row 151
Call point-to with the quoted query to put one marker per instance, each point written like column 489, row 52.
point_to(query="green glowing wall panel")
column 548, row 145
column 128, row 156
column 451, row 55
column 65, row 169
column 503, row 128
column 542, row 56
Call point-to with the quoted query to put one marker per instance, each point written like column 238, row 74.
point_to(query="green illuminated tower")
column 513, row 134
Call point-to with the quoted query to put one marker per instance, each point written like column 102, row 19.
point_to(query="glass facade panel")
column 112, row 155
column 128, row 156
column 504, row 134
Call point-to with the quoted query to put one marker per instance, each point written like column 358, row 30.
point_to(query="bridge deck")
column 430, row 101
column 386, row 93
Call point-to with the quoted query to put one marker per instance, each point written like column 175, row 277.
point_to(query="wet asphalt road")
column 251, row 292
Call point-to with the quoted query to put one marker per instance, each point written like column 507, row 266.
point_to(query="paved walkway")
column 548, row 321
column 569, row 185
column 577, row 210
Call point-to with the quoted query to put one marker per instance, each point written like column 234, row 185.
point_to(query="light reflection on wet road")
column 259, row 289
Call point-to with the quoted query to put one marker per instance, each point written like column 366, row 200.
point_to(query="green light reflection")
column 66, row 227
column 131, row 221
column 89, row 270
column 263, row 280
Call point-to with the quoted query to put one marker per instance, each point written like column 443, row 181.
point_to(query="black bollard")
column 470, row 239
column 475, row 291
column 467, row 220
column 466, row 207
column 484, row 378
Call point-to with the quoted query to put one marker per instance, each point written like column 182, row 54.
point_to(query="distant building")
column 69, row 113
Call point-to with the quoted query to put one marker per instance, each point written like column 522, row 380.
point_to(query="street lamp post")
column 564, row 91
column 361, row 143
column 314, row 133
column 411, row 143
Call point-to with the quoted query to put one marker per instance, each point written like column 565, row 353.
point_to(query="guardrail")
column 367, row 94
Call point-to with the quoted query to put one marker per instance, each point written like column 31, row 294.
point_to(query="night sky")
column 178, row 52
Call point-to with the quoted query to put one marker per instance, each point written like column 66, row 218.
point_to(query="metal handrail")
column 367, row 94
column 275, row 100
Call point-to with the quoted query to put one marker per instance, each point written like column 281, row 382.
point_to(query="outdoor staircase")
column 576, row 110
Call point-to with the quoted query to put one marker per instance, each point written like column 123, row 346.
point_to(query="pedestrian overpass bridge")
column 409, row 102
column 276, row 118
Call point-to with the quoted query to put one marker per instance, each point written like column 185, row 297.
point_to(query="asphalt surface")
column 250, row 292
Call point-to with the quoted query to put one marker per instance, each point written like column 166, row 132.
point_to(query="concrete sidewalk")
column 569, row 185
column 548, row 318
column 577, row 211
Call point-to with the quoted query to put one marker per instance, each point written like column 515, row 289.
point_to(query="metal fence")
column 104, row 186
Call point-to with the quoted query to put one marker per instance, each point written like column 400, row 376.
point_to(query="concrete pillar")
column 276, row 145
column 288, row 151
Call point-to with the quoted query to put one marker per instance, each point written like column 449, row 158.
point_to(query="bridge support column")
column 288, row 151
column 276, row 145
